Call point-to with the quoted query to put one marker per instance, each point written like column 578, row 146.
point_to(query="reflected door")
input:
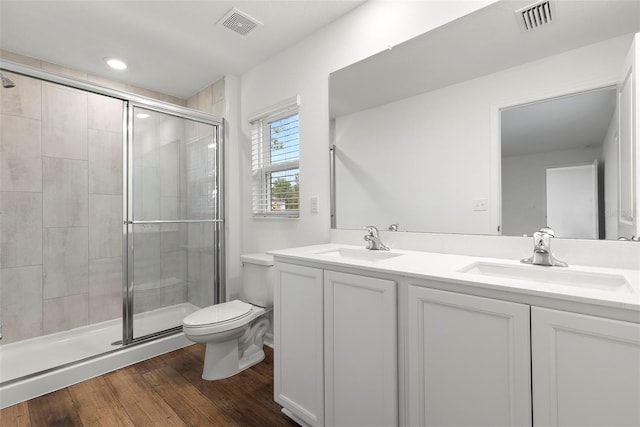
column 174, row 215
column 572, row 201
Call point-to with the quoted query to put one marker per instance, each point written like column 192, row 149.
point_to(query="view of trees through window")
column 284, row 153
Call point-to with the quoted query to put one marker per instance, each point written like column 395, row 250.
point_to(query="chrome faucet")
column 542, row 249
column 373, row 239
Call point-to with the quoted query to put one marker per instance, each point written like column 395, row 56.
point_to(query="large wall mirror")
column 482, row 126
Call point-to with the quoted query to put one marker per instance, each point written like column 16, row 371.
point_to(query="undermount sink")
column 359, row 254
column 559, row 276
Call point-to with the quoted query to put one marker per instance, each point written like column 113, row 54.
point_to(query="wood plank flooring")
column 164, row 391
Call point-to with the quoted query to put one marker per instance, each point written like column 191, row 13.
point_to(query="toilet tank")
column 258, row 278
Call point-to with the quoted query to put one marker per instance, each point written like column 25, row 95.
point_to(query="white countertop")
column 446, row 268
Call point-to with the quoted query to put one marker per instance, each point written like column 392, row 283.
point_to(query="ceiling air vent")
column 239, row 22
column 537, row 15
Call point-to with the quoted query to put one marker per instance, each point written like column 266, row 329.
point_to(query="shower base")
column 40, row 365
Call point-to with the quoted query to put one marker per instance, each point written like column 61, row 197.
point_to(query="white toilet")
column 233, row 331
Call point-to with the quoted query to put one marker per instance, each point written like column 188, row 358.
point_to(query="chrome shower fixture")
column 6, row 81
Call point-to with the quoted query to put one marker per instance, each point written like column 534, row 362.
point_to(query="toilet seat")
column 218, row 314
column 220, row 318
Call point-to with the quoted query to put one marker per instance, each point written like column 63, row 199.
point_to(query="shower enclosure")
column 112, row 222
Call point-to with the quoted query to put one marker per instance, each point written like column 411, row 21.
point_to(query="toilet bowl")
column 233, row 331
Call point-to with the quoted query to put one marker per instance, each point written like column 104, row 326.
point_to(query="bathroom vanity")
column 415, row 338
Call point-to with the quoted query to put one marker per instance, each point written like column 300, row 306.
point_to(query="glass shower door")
column 174, row 225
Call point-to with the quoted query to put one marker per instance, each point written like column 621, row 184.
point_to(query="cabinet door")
column 298, row 353
column 469, row 360
column 360, row 351
column 586, row 370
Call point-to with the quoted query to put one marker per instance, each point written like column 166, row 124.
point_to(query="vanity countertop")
column 621, row 300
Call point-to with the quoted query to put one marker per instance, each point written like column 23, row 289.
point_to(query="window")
column 275, row 166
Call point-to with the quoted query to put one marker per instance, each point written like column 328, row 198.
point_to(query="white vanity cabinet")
column 586, row 370
column 468, row 360
column 335, row 338
column 360, row 367
column 298, row 341
column 388, row 348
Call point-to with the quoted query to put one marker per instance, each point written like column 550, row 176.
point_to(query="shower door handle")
column 174, row 221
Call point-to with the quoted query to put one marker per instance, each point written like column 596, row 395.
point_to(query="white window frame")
column 261, row 161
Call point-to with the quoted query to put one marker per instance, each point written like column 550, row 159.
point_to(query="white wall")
column 232, row 187
column 438, row 150
column 524, row 194
column 303, row 70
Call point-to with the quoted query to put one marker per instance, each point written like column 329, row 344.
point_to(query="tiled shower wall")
column 160, row 251
column 61, row 198
column 200, row 236
column 61, row 204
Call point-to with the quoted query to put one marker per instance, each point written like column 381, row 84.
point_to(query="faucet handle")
column 371, row 230
column 548, row 230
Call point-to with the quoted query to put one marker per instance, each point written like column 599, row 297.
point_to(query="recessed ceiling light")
column 116, row 64
column 142, row 116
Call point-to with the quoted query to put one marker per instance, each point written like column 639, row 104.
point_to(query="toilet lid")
column 218, row 313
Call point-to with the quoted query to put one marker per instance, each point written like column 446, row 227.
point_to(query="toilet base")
column 242, row 349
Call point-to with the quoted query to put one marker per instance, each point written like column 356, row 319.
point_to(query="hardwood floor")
column 164, row 391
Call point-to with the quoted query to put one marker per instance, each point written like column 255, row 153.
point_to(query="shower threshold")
column 27, row 367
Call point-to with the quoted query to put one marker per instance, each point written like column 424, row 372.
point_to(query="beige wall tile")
column 146, row 193
column 201, row 274
column 105, row 226
column 169, row 208
column 24, row 100
column 105, row 289
column 21, row 303
column 20, row 59
column 21, row 158
column 66, row 261
column 65, row 192
column 65, row 71
column 102, row 81
column 64, row 313
column 105, row 162
column 205, row 99
column 64, row 122
column 163, row 295
column 200, row 264
column 155, row 95
column 169, row 129
column 20, row 229
column 218, row 109
column 145, row 141
column 218, row 90
column 192, row 102
column 169, row 158
column 146, row 256
column 173, row 237
column 104, row 113
column 174, row 268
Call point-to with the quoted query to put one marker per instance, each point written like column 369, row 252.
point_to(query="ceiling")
column 565, row 123
column 174, row 47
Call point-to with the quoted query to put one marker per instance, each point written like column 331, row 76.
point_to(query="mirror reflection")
column 556, row 156
column 500, row 140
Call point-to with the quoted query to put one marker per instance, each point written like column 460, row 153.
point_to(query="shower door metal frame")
column 129, row 222
column 129, row 101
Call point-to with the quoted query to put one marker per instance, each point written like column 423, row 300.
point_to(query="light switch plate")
column 315, row 204
column 480, row 205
